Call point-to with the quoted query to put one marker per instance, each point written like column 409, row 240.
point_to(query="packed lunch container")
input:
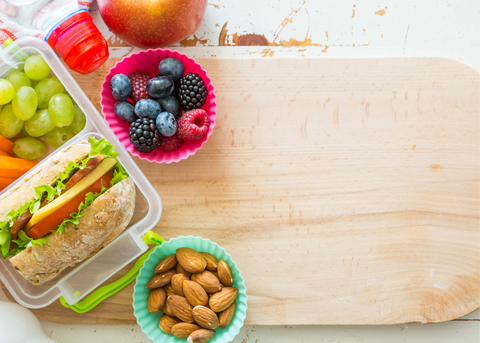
column 76, row 282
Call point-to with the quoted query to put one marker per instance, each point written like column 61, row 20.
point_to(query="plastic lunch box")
column 76, row 282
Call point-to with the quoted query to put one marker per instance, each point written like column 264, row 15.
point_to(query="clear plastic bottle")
column 68, row 29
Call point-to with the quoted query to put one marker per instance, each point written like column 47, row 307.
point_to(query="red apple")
column 152, row 23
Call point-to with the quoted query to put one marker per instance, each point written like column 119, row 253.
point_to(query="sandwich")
column 66, row 211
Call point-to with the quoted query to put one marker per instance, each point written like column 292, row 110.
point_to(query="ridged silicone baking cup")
column 149, row 321
column 147, row 60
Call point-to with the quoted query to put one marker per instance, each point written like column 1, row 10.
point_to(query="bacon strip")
column 80, row 174
column 23, row 219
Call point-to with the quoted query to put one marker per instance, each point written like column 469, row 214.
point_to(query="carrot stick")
column 6, row 145
column 4, row 153
column 14, row 167
column 5, row 181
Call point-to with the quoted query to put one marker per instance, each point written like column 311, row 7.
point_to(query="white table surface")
column 337, row 28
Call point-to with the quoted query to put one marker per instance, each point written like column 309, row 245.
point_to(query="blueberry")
column 125, row 111
column 120, row 87
column 172, row 68
column 166, row 124
column 147, row 108
column 170, row 104
column 160, row 87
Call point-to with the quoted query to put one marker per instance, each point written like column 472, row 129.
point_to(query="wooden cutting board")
column 346, row 190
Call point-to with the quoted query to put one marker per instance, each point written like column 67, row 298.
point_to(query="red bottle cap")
column 81, row 45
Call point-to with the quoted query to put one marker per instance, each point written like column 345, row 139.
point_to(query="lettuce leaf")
column 71, row 168
column 24, row 241
column 14, row 214
column 119, row 174
column 99, row 147
column 38, row 197
column 5, row 238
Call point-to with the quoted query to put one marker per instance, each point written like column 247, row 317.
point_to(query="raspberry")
column 139, row 80
column 172, row 143
column 193, row 125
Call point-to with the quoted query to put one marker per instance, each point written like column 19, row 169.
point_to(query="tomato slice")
column 55, row 219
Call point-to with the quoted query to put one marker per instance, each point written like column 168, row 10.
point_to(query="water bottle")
column 67, row 28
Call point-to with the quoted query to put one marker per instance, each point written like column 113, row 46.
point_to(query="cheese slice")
column 104, row 167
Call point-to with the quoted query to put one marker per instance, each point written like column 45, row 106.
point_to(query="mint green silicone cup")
column 149, row 321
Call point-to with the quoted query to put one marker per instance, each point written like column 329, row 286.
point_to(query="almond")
column 201, row 336
column 205, row 317
column 225, row 274
column 216, row 275
column 180, row 270
column 194, row 293
column 191, row 260
column 212, row 261
column 225, row 317
column 183, row 330
column 166, row 264
column 160, row 280
column 156, row 300
column 222, row 300
column 167, row 310
column 177, row 283
column 169, row 289
column 166, row 323
column 208, row 281
column 180, row 308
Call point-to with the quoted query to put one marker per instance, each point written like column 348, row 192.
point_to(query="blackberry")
column 144, row 135
column 191, row 92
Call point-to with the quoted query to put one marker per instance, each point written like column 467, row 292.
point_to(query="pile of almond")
column 194, row 291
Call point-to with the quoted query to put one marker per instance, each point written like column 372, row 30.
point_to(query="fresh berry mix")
column 160, row 87
column 191, row 92
column 139, row 80
column 170, row 144
column 120, row 87
column 144, row 135
column 125, row 111
column 147, row 108
column 157, row 114
column 193, row 125
column 166, row 124
column 171, row 67
column 170, row 104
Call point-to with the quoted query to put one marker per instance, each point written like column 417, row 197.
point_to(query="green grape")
column 36, row 68
column 25, row 103
column 35, row 83
column 39, row 124
column 61, row 110
column 58, row 136
column 47, row 88
column 10, row 125
column 79, row 120
column 7, row 91
column 29, row 148
column 71, row 97
column 19, row 79
column 24, row 132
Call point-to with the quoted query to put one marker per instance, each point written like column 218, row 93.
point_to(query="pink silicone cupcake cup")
column 148, row 60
